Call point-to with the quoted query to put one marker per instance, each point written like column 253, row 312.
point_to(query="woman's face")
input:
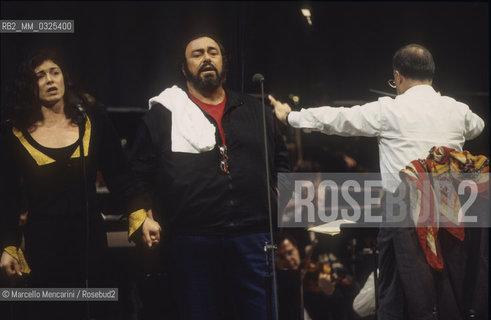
column 51, row 83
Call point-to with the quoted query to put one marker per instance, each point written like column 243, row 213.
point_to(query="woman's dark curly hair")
column 23, row 107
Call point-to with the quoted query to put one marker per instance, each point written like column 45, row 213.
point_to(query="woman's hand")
column 9, row 266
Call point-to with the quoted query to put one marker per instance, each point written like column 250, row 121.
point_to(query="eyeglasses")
column 392, row 83
column 224, row 161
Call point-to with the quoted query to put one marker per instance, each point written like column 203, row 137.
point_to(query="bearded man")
column 199, row 156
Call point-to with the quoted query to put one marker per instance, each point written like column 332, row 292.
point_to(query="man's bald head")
column 414, row 62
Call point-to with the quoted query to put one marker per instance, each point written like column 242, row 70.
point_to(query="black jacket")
column 190, row 193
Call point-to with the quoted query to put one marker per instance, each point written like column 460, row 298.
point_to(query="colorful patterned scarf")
column 433, row 185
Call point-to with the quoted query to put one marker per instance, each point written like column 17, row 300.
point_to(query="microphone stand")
column 81, row 129
column 269, row 249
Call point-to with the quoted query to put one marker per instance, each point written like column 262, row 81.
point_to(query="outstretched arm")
column 365, row 120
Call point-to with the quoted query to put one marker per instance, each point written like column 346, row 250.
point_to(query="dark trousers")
column 406, row 285
column 410, row 289
column 219, row 277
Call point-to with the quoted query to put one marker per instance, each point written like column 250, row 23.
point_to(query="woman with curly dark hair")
column 35, row 87
column 42, row 172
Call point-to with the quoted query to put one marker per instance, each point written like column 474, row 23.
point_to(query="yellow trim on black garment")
column 88, row 130
column 40, row 158
column 135, row 221
column 19, row 256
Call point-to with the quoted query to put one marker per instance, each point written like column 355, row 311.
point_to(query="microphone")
column 269, row 249
column 257, row 78
column 76, row 103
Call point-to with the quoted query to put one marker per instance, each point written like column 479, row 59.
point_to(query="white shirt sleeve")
column 473, row 125
column 364, row 120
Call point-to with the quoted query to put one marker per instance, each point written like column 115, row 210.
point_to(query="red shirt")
column 214, row 110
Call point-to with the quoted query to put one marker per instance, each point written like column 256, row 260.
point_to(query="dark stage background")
column 126, row 52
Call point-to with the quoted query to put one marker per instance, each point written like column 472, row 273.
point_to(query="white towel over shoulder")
column 191, row 131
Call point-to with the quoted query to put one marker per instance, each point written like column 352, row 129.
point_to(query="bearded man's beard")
column 207, row 83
